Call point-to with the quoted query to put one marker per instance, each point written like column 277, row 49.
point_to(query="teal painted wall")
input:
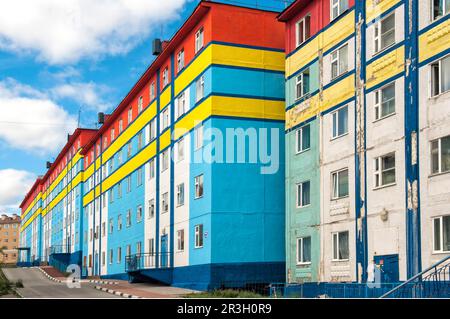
column 302, row 222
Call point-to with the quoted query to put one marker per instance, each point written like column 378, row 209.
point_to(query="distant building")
column 9, row 238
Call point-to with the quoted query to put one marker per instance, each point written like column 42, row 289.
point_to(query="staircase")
column 433, row 282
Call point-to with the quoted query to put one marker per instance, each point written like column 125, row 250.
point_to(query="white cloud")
column 30, row 121
column 86, row 94
column 67, row 31
column 14, row 186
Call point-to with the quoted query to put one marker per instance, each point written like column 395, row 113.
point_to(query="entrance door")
column 164, row 251
column 388, row 264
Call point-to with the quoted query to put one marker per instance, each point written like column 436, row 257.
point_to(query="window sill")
column 200, row 197
column 383, row 50
column 440, row 252
column 338, row 137
column 384, row 117
column 438, row 174
column 301, row 152
column 305, row 206
column 339, row 76
column 304, row 264
column 437, row 96
column 340, row 260
column 384, row 186
column 339, row 198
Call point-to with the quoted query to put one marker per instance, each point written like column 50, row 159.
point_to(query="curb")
column 117, row 293
column 48, row 276
column 103, row 282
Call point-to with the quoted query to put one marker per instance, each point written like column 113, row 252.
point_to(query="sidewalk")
column 144, row 290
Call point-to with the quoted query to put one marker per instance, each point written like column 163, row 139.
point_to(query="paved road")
column 36, row 285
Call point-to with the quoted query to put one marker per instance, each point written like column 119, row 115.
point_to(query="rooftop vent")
column 157, row 47
column 49, row 164
column 101, row 118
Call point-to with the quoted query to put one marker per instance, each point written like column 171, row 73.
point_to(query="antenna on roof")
column 79, row 117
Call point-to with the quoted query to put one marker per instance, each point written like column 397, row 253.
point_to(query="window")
column 339, row 61
column 165, row 119
column 129, row 149
column 130, row 115
column 180, row 149
column 129, row 218
column 111, row 195
column 120, row 126
column 164, row 203
column 180, row 60
column 128, row 183
column 119, row 222
column 151, row 246
column 385, row 170
column 111, row 256
column 111, row 225
column 199, row 236
column 139, row 176
column 165, row 76
column 340, row 246
column 302, row 84
column 385, row 101
column 303, row 194
column 119, row 190
column 200, row 88
column 302, row 31
column 152, row 91
column 138, row 248
column 198, row 186
column 139, row 140
column 441, row 234
column 181, row 104
column 439, row 8
column 302, row 139
column 338, row 7
column 384, row 33
column 340, row 183
column 440, row 155
column 152, row 129
column 103, row 258
column 119, row 255
column 440, row 76
column 180, row 241
column 198, row 136
column 140, row 104
column 164, row 160
column 152, row 169
column 139, row 213
column 199, row 40
column 340, row 122
column 119, row 157
column 180, row 194
column 303, row 250
column 151, row 208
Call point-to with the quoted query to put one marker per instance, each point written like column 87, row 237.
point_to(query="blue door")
column 164, row 251
column 388, row 264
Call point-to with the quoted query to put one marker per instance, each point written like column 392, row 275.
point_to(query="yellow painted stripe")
column 232, row 56
column 35, row 200
column 30, row 220
column 165, row 97
column 334, row 95
column 140, row 122
column 375, row 8
column 323, row 41
column 88, row 172
column 434, row 41
column 140, row 159
column 385, row 67
column 89, row 197
column 164, row 139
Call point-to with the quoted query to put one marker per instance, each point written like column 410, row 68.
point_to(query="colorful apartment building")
column 184, row 182
column 9, row 238
column 367, row 138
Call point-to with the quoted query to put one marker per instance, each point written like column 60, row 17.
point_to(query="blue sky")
column 58, row 60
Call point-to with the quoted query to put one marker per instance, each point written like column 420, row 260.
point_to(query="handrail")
column 413, row 278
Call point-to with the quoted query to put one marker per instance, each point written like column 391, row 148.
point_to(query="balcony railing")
column 147, row 261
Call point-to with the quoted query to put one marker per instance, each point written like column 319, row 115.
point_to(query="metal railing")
column 59, row 249
column 433, row 282
column 147, row 261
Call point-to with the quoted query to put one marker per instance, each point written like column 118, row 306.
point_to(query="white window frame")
column 165, row 77
column 438, row 64
column 299, row 140
column 299, row 200
column 128, row 219
column 181, row 105
column 180, row 149
column 120, row 126
column 165, row 120
column 119, row 255
column 335, row 236
column 199, row 183
column 299, row 260
column 198, row 236
column 198, row 137
column 305, row 35
column 441, row 234
column 199, row 40
column 337, row 59
column 130, row 115
column 180, row 240
column 139, row 214
column 180, row 194
column 151, row 208
column 140, row 104
column 378, row 102
column 152, row 91
column 180, row 60
column 200, row 88
column 332, row 6
column 335, row 195
column 164, row 160
column 377, row 36
column 439, row 149
column 335, row 130
column 152, row 169
column 378, row 173
column 445, row 11
column 164, row 203
column 299, row 80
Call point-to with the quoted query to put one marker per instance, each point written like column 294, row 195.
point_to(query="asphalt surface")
column 36, row 285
